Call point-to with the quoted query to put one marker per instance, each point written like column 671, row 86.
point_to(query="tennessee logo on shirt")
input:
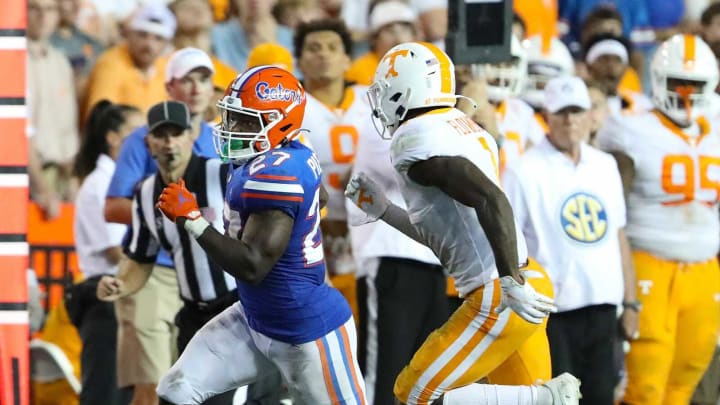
column 583, row 218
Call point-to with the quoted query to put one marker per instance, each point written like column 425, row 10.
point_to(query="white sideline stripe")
column 14, row 249
column 11, row 43
column 13, row 111
column 14, row 180
column 19, row 317
column 274, row 187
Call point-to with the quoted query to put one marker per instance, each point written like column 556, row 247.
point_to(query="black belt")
column 216, row 305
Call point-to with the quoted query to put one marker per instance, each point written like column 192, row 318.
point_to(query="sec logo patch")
column 583, row 218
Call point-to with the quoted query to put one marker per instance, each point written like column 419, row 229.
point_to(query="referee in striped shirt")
column 204, row 287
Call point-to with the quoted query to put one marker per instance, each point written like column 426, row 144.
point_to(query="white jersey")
column 334, row 136
column 516, row 122
column 673, row 203
column 449, row 228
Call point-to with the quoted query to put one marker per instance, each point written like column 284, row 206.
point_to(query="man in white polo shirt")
column 568, row 200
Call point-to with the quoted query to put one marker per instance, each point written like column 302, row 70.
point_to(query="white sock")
column 486, row 394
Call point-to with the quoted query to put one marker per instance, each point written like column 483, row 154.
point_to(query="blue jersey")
column 134, row 163
column 292, row 304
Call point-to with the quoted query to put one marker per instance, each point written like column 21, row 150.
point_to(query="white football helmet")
column 546, row 59
column 687, row 58
column 506, row 79
column 410, row 75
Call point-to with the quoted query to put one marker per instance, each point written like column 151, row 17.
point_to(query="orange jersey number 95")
column 687, row 185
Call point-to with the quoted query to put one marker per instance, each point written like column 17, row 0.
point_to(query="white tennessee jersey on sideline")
column 519, row 127
column 449, row 228
column 334, row 134
column 673, row 203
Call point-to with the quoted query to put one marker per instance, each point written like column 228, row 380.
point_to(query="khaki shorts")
column 147, row 335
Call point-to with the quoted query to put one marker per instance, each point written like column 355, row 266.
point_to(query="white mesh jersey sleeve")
column 613, row 135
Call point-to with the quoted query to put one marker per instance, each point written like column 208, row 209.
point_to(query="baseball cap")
column 389, row 12
column 566, row 91
column 184, row 60
column 154, row 18
column 168, row 112
column 270, row 54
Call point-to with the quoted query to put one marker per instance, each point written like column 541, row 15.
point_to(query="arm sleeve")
column 140, row 244
column 90, row 219
column 611, row 137
column 133, row 164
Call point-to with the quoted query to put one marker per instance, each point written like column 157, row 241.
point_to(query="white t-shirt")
column 570, row 216
column 92, row 233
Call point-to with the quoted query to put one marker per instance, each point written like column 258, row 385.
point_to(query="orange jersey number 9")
column 691, row 169
column 343, row 144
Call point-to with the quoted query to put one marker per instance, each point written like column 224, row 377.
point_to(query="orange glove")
column 176, row 201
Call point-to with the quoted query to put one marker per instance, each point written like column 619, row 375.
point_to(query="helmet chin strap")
column 291, row 136
column 472, row 102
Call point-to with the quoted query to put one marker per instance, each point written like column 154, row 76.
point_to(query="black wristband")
column 634, row 305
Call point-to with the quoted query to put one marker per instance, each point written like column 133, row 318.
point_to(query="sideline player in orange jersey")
column 669, row 160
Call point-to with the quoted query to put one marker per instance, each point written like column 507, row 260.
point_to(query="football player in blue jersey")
column 287, row 317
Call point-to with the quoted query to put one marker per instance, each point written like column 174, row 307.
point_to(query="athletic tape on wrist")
column 196, row 227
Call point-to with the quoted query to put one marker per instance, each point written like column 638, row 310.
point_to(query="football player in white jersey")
column 516, row 122
column 669, row 160
column 546, row 58
column 447, row 168
column 335, row 111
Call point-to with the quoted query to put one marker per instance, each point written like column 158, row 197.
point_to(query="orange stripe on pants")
column 351, row 362
column 324, row 360
column 501, row 348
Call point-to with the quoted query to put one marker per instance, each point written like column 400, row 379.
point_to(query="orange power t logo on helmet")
column 392, row 56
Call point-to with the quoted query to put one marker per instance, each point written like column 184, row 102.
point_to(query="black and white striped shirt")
column 200, row 280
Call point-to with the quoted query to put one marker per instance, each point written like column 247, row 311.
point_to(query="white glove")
column 524, row 300
column 368, row 196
